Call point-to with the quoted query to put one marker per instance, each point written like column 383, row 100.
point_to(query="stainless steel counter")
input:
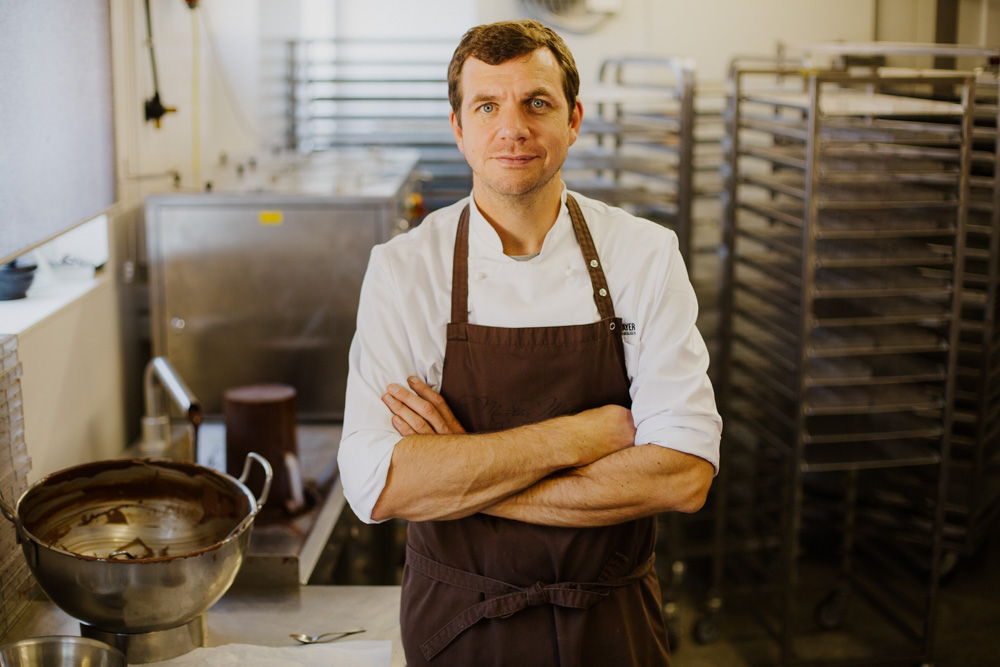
column 264, row 616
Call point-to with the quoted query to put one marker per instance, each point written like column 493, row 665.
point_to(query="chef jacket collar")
column 486, row 235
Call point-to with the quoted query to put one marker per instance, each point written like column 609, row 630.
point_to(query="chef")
column 528, row 389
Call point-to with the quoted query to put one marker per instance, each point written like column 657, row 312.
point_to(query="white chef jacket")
column 406, row 305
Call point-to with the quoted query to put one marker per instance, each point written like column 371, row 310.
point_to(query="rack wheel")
column 949, row 563
column 705, row 630
column 830, row 613
column 671, row 619
column 673, row 637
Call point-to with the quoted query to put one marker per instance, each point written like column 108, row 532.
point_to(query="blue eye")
column 538, row 104
column 487, row 108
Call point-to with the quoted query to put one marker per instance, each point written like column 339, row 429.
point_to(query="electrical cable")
column 153, row 106
column 195, row 97
column 152, row 54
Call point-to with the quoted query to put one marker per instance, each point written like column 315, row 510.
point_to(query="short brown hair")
column 496, row 43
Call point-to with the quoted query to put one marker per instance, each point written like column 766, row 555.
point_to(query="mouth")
column 514, row 160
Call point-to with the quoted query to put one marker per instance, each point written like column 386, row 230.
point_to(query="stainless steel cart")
column 844, row 230
column 973, row 509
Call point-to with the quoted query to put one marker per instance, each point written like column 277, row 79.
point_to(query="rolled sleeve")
column 673, row 401
column 378, row 356
column 363, row 459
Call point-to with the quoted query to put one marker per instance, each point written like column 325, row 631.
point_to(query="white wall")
column 979, row 22
column 711, row 32
column 405, row 18
column 914, row 21
column 216, row 101
column 71, row 384
column 906, row 20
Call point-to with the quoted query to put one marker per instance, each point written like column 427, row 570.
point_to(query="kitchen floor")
column 967, row 626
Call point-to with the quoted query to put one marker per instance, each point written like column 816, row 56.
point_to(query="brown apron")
column 489, row 591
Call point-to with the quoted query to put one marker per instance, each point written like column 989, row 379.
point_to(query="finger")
column 437, row 400
column 401, row 426
column 401, row 411
column 421, row 407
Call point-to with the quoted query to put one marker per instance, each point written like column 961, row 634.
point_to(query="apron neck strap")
column 460, row 271
column 602, row 295
column 460, row 266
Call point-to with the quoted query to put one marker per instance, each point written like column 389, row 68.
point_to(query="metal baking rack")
column 651, row 144
column 974, row 476
column 17, row 585
column 974, row 491
column 841, row 312
column 377, row 93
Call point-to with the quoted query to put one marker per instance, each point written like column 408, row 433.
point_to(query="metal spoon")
column 325, row 637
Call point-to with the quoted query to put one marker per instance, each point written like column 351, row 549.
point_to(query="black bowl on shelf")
column 15, row 279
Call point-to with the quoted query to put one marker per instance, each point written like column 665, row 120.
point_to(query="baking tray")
column 905, row 220
column 867, row 156
column 853, row 103
column 851, row 131
column 866, row 189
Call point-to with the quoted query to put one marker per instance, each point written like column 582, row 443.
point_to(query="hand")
column 422, row 413
column 601, row 431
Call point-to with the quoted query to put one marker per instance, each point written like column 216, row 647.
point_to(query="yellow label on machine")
column 270, row 217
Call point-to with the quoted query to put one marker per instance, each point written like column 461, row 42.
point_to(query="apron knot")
column 502, row 600
column 537, row 595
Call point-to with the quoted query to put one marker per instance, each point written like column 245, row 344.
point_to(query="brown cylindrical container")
column 261, row 418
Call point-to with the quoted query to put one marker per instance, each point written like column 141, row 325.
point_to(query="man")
column 557, row 395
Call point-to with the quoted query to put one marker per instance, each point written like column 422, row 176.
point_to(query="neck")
column 522, row 221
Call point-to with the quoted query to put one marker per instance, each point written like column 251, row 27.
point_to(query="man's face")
column 515, row 124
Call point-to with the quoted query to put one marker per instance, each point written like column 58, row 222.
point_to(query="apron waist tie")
column 506, row 599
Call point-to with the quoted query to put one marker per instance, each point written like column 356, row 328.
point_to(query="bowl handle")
column 268, row 474
column 9, row 513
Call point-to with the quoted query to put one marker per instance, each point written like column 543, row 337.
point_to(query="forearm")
column 448, row 476
column 628, row 484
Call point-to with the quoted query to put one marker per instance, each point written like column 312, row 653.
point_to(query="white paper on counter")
column 344, row 654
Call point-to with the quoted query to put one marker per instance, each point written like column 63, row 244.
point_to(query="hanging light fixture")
column 578, row 16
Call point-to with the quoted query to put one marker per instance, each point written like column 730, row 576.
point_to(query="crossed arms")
column 576, row 470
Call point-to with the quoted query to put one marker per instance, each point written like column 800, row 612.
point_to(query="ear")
column 574, row 122
column 456, row 129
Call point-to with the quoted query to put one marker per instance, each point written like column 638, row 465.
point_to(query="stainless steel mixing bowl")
column 58, row 651
column 137, row 545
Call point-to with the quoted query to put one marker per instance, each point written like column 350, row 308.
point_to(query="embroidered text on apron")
column 488, row 591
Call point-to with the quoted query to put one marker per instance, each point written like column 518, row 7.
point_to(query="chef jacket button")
column 569, row 272
column 602, row 292
column 593, row 263
column 480, row 275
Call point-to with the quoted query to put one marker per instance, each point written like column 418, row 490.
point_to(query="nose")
column 513, row 123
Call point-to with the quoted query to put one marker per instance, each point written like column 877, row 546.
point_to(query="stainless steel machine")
column 258, row 279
